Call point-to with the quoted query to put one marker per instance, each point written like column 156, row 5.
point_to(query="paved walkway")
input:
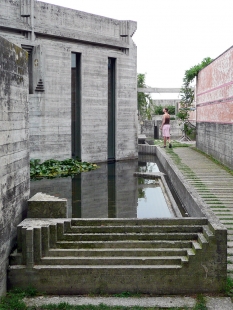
column 215, row 186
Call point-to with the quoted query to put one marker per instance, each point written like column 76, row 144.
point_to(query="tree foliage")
column 144, row 100
column 187, row 92
column 158, row 109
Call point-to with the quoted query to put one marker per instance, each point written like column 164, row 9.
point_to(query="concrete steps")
column 111, row 255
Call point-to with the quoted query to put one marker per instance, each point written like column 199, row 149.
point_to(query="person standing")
column 165, row 127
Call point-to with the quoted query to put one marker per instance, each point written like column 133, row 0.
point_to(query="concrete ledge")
column 193, row 203
column 45, row 206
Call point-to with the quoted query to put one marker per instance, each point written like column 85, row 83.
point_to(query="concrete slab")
column 212, row 303
column 220, row 303
column 162, row 302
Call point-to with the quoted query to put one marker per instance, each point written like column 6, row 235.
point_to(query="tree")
column 187, row 94
column 144, row 100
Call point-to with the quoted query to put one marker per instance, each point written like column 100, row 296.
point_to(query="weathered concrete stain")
column 14, row 148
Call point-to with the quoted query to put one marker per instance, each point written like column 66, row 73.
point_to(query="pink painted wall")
column 215, row 90
column 214, row 109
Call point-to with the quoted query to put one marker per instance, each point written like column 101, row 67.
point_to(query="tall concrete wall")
column 14, row 151
column 215, row 109
column 51, row 33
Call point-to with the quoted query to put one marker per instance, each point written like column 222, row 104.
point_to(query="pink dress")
column 166, row 127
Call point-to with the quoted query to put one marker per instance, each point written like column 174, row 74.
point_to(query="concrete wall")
column 14, row 152
column 51, row 33
column 215, row 109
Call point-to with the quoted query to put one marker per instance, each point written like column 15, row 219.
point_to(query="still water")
column 111, row 191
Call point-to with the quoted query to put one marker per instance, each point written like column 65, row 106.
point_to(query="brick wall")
column 14, row 154
column 215, row 108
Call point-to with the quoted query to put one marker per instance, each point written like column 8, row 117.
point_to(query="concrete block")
column 46, row 206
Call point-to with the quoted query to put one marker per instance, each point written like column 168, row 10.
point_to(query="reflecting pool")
column 111, row 191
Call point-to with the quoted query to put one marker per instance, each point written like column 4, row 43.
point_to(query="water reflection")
column 112, row 191
column 151, row 202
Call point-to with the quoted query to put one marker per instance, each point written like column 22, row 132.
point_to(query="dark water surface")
column 111, row 191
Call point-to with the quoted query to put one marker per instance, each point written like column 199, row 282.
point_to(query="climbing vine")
column 187, row 92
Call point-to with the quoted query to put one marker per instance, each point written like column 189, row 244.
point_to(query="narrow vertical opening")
column 111, row 107
column 30, row 73
column 76, row 104
column 29, row 50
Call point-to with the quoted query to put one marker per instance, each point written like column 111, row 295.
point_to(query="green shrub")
column 158, row 109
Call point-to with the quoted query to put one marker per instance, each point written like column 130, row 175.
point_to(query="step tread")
column 101, row 267
column 119, row 250
column 132, row 234
column 143, row 244
column 112, row 258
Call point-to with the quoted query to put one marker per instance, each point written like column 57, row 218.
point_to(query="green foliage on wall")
column 187, row 92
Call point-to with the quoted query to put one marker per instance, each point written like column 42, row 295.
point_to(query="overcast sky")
column 172, row 35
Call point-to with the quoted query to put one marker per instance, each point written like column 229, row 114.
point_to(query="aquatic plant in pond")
column 53, row 168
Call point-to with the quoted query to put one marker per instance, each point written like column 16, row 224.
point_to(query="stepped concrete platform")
column 156, row 256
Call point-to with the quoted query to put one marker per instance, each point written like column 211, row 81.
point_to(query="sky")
column 172, row 35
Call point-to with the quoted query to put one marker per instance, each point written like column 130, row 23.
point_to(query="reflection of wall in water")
column 126, row 189
column 59, row 187
column 108, row 192
column 93, row 194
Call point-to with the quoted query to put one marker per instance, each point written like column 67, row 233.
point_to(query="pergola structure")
column 158, row 90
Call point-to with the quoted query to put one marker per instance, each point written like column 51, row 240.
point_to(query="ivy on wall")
column 187, row 92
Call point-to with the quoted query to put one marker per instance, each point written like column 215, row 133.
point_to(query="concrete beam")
column 158, row 90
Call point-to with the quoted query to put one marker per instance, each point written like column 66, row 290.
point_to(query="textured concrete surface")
column 50, row 34
column 46, row 206
column 14, row 151
column 213, row 303
column 162, row 302
column 159, row 256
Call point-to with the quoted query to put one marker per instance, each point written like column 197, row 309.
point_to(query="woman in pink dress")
column 166, row 128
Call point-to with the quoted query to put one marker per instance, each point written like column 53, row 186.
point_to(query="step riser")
column 75, row 281
column 111, row 261
column 138, row 222
column 114, row 229
column 129, row 237
column 119, row 244
column 118, row 253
